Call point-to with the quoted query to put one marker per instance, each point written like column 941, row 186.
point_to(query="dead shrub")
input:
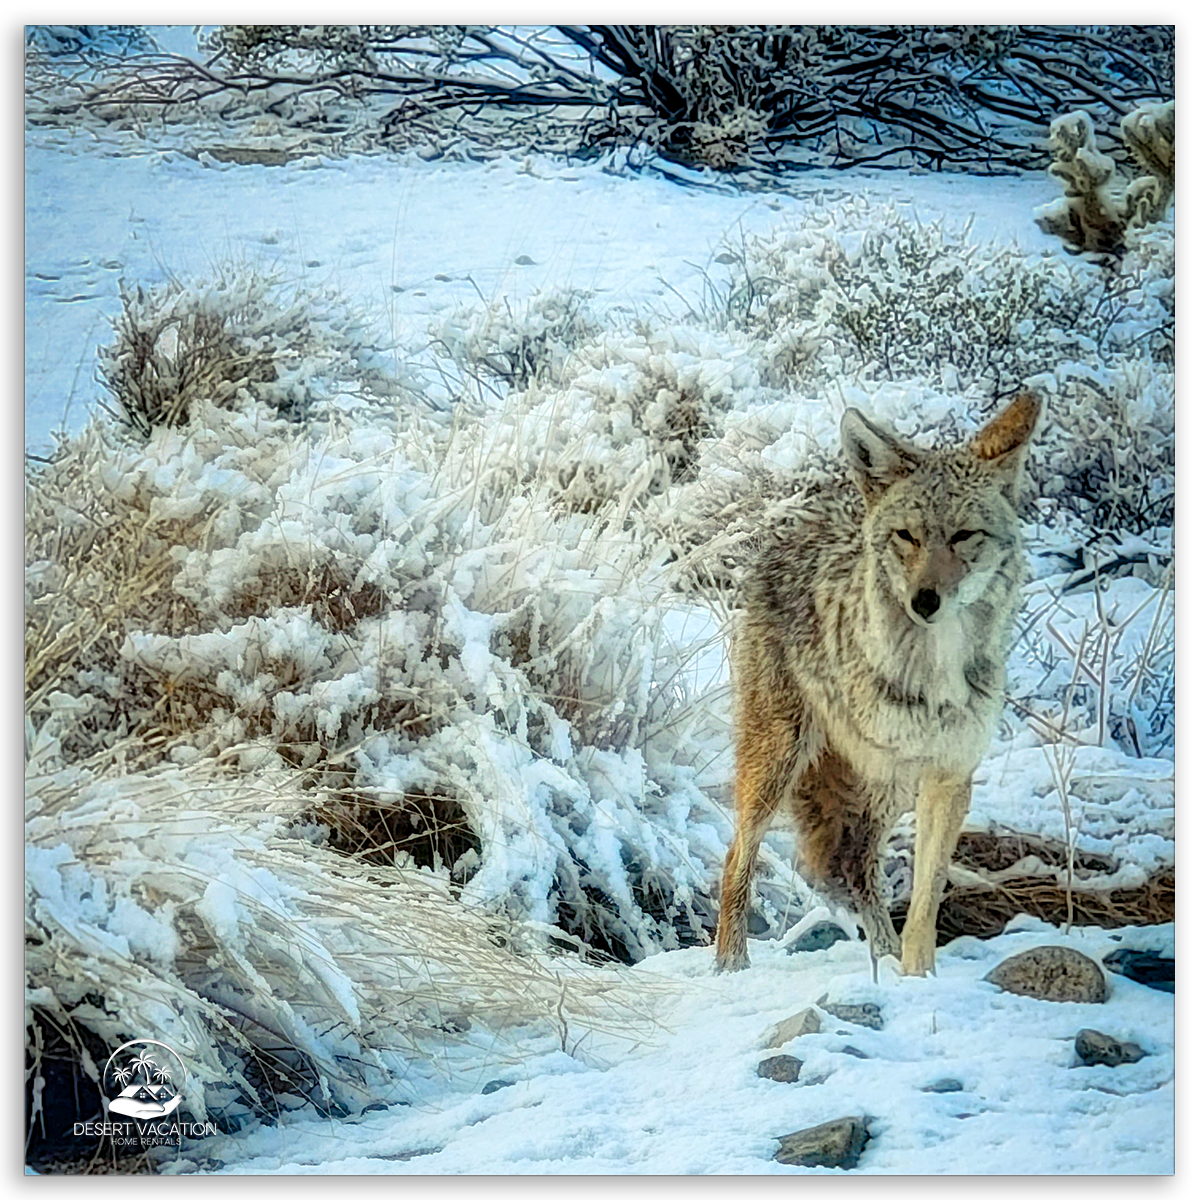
column 376, row 828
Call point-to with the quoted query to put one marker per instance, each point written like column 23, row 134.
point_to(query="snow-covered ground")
column 407, row 239
column 688, row 1101
column 410, row 241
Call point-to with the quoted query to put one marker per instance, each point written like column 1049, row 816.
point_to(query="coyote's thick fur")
column 868, row 667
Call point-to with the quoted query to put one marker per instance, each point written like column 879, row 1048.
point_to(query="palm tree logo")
column 144, row 1062
column 141, row 1079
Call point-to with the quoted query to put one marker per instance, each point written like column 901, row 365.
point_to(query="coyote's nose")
column 926, row 602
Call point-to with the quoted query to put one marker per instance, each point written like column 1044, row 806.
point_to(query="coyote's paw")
column 916, row 960
column 732, row 962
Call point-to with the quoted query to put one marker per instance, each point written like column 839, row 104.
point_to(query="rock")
column 943, row 1085
column 820, row 936
column 782, row 1068
column 1051, row 973
column 835, row 1144
column 853, row 1051
column 808, row 1021
column 868, row 1015
column 1143, row 966
column 494, row 1085
column 1098, row 1049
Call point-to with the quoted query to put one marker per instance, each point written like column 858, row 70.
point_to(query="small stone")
column 868, row 1015
column 1143, row 966
column 494, row 1085
column 1057, row 973
column 820, row 936
column 782, row 1068
column 1097, row 1049
column 943, row 1085
column 808, row 1021
column 854, row 1052
column 523, row 260
column 834, row 1144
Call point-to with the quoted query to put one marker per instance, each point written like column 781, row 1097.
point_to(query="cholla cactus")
column 1093, row 217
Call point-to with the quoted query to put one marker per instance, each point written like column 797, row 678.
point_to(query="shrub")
column 236, row 337
column 864, row 292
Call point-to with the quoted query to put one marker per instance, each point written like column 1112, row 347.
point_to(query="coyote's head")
column 940, row 525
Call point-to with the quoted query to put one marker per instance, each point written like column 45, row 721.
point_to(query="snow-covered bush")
column 374, row 602
column 240, row 336
column 532, row 344
column 195, row 903
column 867, row 292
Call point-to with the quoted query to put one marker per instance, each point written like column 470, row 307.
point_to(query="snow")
column 688, row 1100
column 414, row 243
column 408, row 239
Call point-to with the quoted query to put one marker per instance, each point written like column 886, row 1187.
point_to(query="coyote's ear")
column 1001, row 443
column 876, row 458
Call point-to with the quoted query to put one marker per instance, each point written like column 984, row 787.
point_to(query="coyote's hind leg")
column 843, row 824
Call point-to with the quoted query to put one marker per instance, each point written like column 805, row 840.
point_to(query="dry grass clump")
column 236, row 338
column 1012, row 888
column 336, row 600
column 430, row 829
column 984, row 912
column 190, row 903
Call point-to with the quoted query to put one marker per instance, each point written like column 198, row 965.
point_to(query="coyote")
column 868, row 669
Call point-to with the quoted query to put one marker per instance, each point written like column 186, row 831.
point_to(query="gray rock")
column 853, row 1051
column 943, row 1085
column 1098, row 1049
column 494, row 1085
column 1143, row 966
column 835, row 1144
column 782, row 1068
column 1051, row 973
column 820, row 936
column 808, row 1021
column 868, row 1015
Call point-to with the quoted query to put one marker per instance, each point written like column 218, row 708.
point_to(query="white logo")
column 144, row 1079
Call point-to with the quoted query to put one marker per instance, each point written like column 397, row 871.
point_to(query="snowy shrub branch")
column 726, row 97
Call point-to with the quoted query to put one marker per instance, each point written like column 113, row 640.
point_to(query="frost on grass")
column 469, row 657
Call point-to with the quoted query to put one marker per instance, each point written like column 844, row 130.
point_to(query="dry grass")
column 296, row 970
column 432, row 829
column 983, row 912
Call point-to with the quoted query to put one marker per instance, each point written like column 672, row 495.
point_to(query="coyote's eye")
column 964, row 535
column 905, row 536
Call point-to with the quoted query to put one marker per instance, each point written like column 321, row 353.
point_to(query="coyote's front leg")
column 766, row 756
column 942, row 804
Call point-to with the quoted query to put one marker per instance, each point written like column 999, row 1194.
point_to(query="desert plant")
column 239, row 336
column 1095, row 217
column 192, row 903
column 867, row 292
